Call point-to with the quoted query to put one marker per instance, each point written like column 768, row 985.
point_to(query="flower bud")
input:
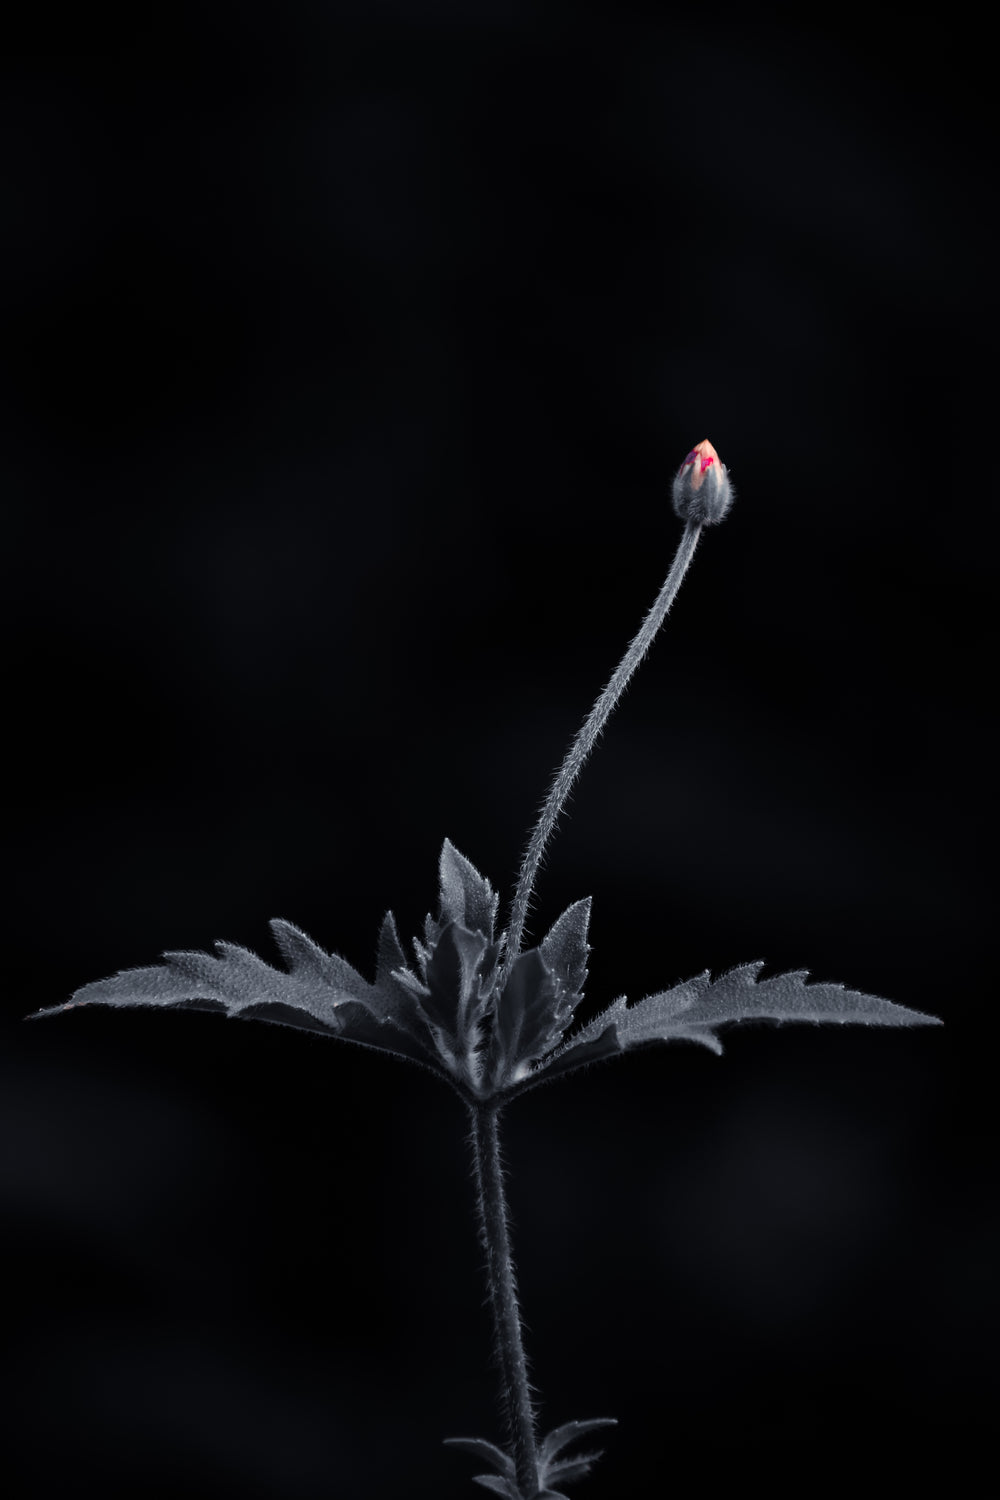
column 702, row 491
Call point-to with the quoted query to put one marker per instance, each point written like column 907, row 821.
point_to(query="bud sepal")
column 702, row 490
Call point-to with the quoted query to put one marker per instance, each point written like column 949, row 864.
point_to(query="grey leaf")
column 598, row 1040
column 694, row 1009
column 561, row 1437
column 587, row 1047
column 432, row 933
column 691, row 1011
column 390, row 952
column 423, row 953
column 321, row 992
column 466, row 896
column 480, row 1448
column 531, row 1015
column 565, row 948
column 453, row 1001
column 319, row 972
column 398, row 989
column 505, row 1487
column 566, row 1470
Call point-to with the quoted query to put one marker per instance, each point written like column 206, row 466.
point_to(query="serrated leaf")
column 480, row 1448
column 466, row 896
column 390, row 952
column 561, row 1437
column 453, row 1001
column 579, row 1053
column 565, row 948
column 555, row 1470
column 693, row 1010
column 321, row 992
column 595, row 1042
column 568, row 1470
column 503, row 1487
column 398, row 989
column 422, row 954
column 531, row 1015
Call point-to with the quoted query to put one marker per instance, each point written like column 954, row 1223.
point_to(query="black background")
column 347, row 354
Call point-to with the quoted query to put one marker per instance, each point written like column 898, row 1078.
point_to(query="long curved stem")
column 495, row 1234
column 585, row 739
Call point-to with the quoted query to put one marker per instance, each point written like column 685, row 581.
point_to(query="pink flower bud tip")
column 702, row 491
column 701, row 457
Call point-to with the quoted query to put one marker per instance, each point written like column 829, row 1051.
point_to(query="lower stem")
column 495, row 1234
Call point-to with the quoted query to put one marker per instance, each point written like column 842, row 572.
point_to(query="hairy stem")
column 495, row 1235
column 584, row 742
